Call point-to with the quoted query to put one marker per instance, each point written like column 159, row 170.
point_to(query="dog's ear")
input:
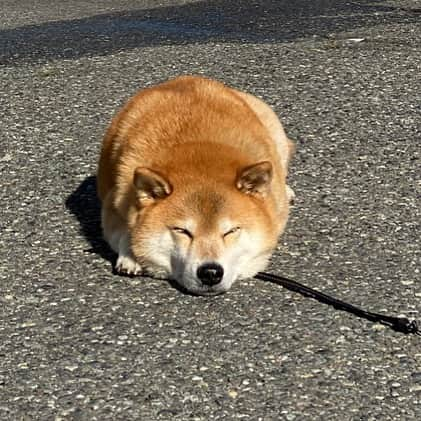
column 255, row 179
column 150, row 185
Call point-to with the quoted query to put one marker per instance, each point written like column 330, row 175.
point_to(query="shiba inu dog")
column 192, row 180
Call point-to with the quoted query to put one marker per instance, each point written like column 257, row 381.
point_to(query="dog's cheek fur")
column 246, row 256
column 153, row 249
column 162, row 252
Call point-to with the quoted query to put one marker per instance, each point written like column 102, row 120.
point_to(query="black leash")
column 399, row 324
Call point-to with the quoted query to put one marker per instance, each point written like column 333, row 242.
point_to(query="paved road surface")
column 79, row 343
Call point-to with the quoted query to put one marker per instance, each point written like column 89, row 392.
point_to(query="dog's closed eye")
column 234, row 230
column 182, row 231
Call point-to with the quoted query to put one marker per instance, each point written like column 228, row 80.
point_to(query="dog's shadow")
column 84, row 204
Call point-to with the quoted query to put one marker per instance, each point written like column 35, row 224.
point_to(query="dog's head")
column 206, row 231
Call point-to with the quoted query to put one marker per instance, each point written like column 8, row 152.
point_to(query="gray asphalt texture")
column 78, row 342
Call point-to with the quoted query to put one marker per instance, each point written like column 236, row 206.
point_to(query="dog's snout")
column 210, row 273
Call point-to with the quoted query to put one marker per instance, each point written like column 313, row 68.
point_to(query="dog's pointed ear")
column 150, row 185
column 255, row 179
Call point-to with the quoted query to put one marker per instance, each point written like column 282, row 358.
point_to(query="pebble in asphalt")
column 77, row 342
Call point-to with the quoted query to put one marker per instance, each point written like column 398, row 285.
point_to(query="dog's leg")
column 116, row 234
column 126, row 263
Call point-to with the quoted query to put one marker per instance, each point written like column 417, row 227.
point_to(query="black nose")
column 210, row 273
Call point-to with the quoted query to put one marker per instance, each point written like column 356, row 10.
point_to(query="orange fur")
column 179, row 152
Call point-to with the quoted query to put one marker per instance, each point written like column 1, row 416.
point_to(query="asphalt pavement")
column 78, row 342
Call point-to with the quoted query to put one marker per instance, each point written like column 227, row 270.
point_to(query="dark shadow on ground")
column 84, row 204
column 258, row 21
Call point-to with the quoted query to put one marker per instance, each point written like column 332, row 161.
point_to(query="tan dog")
column 192, row 179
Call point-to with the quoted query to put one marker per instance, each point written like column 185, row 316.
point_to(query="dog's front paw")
column 126, row 265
